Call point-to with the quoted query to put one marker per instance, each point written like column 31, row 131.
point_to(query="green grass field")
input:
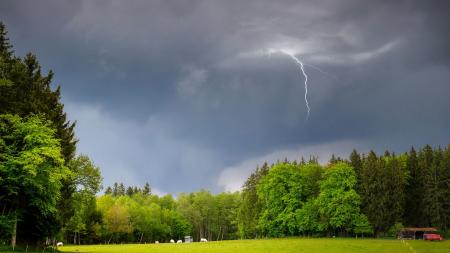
column 275, row 245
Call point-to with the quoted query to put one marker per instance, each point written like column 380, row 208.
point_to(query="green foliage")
column 283, row 191
column 212, row 216
column 31, row 172
column 141, row 218
column 26, row 91
column 307, row 199
column 84, row 222
column 251, row 205
column 338, row 202
column 393, row 231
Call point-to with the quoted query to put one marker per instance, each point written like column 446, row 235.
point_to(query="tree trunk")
column 142, row 235
column 110, row 238
column 218, row 234
column 14, row 234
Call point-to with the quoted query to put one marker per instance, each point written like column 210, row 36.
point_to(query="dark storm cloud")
column 182, row 94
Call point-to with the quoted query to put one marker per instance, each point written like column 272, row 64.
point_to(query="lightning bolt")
column 301, row 65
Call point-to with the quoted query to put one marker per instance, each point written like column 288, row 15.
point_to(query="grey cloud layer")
column 177, row 92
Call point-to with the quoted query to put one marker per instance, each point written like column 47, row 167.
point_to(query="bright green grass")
column 296, row 245
column 430, row 247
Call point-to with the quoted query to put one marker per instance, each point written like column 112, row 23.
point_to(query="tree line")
column 366, row 194
column 144, row 217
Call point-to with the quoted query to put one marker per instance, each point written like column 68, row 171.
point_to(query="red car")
column 432, row 237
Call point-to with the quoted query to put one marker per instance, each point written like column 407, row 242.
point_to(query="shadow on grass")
column 30, row 249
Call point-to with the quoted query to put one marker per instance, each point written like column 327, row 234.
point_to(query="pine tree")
column 395, row 179
column 108, row 190
column 25, row 91
column 434, row 211
column 333, row 160
column 314, row 159
column 302, row 161
column 429, row 201
column 6, row 51
column 356, row 163
column 372, row 191
column 444, row 188
column 414, row 215
column 121, row 190
column 115, row 191
column 147, row 190
column 130, row 191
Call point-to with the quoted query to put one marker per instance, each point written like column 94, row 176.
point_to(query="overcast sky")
column 183, row 94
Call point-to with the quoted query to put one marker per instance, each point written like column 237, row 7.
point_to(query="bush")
column 393, row 231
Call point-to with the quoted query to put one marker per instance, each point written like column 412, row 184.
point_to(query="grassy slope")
column 274, row 245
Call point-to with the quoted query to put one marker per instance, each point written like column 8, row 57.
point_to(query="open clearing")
column 296, row 245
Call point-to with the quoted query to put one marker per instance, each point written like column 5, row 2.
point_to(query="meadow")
column 296, row 245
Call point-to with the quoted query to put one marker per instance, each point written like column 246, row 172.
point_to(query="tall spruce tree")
column 429, row 201
column 395, row 180
column 371, row 191
column 414, row 215
column 444, row 186
column 147, row 190
column 356, row 163
column 433, row 177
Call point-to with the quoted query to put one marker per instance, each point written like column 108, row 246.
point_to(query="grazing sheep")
column 156, row 242
column 172, row 241
column 203, row 240
column 179, row 241
column 59, row 244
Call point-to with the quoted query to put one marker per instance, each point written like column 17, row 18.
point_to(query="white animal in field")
column 156, row 242
column 179, row 241
column 203, row 240
column 59, row 244
column 172, row 241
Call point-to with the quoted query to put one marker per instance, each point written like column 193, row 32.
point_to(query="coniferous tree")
column 333, row 160
column 395, row 180
column 302, row 161
column 356, row 163
column 108, row 190
column 315, row 159
column 121, row 190
column 429, row 202
column 432, row 204
column 414, row 215
column 147, row 190
column 444, row 187
column 25, row 91
column 130, row 191
column 371, row 191
column 115, row 191
column 6, row 50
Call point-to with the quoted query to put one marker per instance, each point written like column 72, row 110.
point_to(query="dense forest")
column 48, row 193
